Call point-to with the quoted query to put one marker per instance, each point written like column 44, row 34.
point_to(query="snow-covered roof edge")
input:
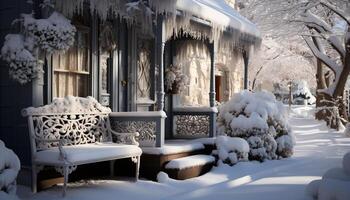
column 221, row 16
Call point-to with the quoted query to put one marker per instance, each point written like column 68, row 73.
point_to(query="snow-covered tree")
column 331, row 47
column 326, row 33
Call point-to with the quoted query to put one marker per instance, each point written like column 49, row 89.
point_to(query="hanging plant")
column 21, row 51
column 55, row 33
column 17, row 53
column 175, row 80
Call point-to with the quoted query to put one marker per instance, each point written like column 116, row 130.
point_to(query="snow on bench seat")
column 174, row 148
column 80, row 154
column 190, row 161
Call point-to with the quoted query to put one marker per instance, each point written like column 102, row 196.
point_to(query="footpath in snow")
column 317, row 149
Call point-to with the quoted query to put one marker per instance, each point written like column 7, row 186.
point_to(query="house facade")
column 121, row 52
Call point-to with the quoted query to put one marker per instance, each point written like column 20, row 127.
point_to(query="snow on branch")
column 318, row 54
column 343, row 14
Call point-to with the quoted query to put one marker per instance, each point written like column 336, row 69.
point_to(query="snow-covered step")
column 189, row 167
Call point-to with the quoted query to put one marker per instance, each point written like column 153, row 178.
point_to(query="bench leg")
column 65, row 174
column 111, row 168
column 137, row 169
column 34, row 178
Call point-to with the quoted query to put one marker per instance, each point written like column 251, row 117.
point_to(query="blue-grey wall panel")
column 13, row 96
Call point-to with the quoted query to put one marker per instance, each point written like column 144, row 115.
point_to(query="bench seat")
column 87, row 153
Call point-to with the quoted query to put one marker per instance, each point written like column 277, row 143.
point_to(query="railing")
column 150, row 126
column 194, row 122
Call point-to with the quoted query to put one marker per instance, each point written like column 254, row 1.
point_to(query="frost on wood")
column 17, row 52
column 9, row 168
column 55, row 33
column 335, row 183
column 231, row 150
column 260, row 120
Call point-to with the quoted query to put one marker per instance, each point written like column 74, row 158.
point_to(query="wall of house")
column 194, row 57
column 13, row 96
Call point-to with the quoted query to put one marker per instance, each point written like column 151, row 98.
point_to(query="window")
column 72, row 69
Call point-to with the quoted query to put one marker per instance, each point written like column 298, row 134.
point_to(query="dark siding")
column 13, row 96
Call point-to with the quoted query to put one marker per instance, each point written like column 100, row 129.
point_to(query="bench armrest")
column 127, row 138
column 61, row 142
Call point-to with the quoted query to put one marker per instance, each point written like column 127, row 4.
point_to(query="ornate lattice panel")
column 73, row 128
column 191, row 125
column 146, row 129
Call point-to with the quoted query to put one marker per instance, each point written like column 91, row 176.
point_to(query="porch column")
column 159, row 62
column 212, row 115
column 212, row 75
column 160, row 45
column 246, row 61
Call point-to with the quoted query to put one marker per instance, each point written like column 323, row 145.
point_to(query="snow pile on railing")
column 335, row 183
column 9, row 168
column 259, row 119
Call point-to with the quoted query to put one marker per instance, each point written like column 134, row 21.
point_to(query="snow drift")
column 334, row 185
column 259, row 119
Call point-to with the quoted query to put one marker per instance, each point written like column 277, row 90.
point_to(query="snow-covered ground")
column 317, row 149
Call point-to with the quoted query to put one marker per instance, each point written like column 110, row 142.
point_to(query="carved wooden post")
column 246, row 60
column 212, row 75
column 212, row 115
column 160, row 42
column 159, row 60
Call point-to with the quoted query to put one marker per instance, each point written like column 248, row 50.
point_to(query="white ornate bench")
column 74, row 131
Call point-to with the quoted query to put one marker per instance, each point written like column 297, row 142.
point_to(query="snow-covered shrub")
column 175, row 79
column 259, row 119
column 9, row 168
column 17, row 52
column 334, row 185
column 231, row 150
column 302, row 92
column 55, row 33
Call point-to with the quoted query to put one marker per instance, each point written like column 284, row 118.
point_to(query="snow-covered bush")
column 55, row 33
column 17, row 52
column 334, row 185
column 259, row 119
column 301, row 91
column 175, row 79
column 231, row 150
column 9, row 168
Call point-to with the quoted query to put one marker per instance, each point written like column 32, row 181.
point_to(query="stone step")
column 189, row 167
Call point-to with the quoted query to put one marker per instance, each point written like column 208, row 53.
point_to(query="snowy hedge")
column 259, row 119
column 334, row 185
column 9, row 168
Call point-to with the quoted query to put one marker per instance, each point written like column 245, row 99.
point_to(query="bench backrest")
column 77, row 120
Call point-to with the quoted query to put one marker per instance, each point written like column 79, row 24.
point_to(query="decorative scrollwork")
column 191, row 125
column 135, row 159
column 146, row 129
column 71, row 169
column 73, row 128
